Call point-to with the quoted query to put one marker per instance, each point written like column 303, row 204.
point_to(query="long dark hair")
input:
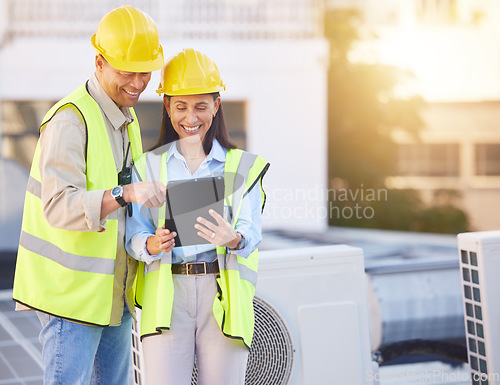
column 217, row 130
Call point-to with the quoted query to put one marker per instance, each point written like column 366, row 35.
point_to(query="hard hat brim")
column 131, row 66
column 191, row 91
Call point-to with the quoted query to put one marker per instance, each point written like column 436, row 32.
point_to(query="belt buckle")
column 193, row 264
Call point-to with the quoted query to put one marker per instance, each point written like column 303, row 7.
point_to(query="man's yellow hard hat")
column 190, row 72
column 129, row 40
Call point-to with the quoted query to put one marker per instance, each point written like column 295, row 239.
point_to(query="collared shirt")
column 141, row 226
column 66, row 201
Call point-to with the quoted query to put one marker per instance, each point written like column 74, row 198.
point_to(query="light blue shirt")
column 140, row 227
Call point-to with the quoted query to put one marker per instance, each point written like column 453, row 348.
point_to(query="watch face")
column 116, row 191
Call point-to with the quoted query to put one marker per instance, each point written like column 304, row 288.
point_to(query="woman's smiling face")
column 191, row 115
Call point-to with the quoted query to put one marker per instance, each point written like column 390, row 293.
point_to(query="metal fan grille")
column 271, row 356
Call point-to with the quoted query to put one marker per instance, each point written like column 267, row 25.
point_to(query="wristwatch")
column 117, row 193
column 241, row 243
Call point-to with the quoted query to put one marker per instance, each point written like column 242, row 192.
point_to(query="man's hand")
column 149, row 194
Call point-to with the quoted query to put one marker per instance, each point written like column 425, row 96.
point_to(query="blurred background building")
column 452, row 48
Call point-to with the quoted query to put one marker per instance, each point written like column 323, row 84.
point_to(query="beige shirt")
column 66, row 201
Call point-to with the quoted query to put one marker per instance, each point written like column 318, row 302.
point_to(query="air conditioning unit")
column 480, row 268
column 312, row 323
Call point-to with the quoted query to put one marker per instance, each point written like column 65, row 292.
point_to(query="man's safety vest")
column 67, row 273
column 233, row 306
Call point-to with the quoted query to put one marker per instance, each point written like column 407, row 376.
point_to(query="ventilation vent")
column 271, row 356
column 480, row 269
column 137, row 357
column 476, row 342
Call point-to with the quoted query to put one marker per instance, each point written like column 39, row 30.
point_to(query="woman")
column 197, row 300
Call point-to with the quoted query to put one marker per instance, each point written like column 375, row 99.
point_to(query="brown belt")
column 196, row 268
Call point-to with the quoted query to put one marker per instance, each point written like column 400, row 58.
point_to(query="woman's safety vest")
column 67, row 273
column 233, row 305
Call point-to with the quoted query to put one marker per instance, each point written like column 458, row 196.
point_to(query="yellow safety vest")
column 67, row 273
column 233, row 306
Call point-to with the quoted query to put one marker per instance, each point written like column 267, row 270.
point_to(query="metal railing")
column 189, row 19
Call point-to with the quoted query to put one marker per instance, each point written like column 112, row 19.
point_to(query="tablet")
column 189, row 199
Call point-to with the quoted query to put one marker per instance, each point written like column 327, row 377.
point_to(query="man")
column 72, row 266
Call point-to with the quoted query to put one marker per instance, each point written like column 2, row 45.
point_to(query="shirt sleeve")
column 249, row 223
column 66, row 202
column 139, row 227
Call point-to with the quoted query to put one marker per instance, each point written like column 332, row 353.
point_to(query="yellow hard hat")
column 190, row 72
column 129, row 40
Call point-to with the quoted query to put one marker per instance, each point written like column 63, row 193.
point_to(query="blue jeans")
column 82, row 354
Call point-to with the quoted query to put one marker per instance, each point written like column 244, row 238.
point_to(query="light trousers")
column 169, row 357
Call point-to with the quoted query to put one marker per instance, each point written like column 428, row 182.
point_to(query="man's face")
column 121, row 86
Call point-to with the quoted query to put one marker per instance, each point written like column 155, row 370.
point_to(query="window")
column 428, row 159
column 20, row 123
column 149, row 115
column 487, row 159
column 235, row 117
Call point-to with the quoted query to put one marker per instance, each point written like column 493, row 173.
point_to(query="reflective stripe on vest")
column 238, row 275
column 70, row 273
column 69, row 261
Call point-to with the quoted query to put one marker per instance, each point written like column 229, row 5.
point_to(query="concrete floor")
column 20, row 351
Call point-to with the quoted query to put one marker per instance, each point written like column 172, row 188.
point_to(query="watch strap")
column 121, row 201
column 241, row 244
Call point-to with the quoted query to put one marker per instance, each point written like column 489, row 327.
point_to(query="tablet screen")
column 189, row 199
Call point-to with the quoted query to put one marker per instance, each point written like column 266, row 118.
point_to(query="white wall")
column 285, row 85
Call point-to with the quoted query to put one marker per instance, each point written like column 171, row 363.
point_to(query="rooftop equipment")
column 312, row 323
column 480, row 266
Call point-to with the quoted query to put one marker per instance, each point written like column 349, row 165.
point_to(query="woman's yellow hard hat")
column 190, row 72
column 129, row 40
